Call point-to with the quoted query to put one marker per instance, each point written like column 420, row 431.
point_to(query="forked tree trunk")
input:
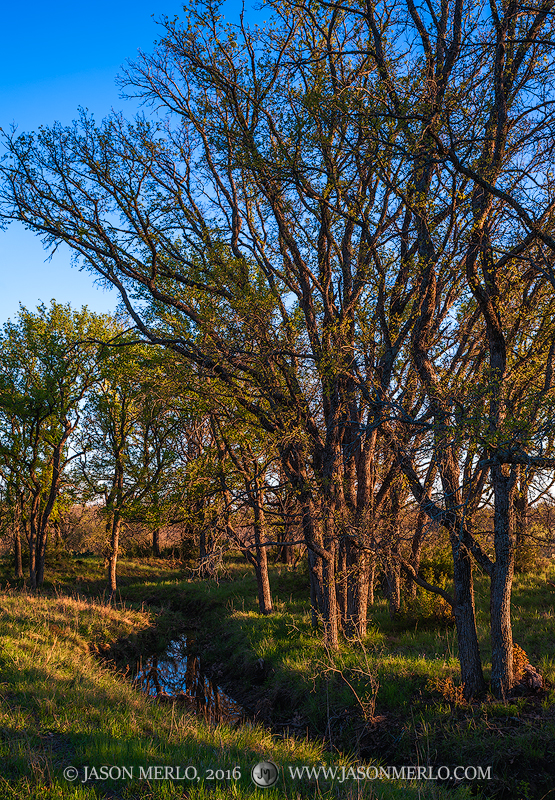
column 323, row 595
column 114, row 550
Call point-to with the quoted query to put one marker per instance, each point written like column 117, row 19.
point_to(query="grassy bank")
column 393, row 696
column 60, row 708
column 388, row 700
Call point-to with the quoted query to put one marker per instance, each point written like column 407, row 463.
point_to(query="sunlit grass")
column 304, row 684
column 59, row 707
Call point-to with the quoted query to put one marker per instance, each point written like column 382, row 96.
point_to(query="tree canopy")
column 342, row 222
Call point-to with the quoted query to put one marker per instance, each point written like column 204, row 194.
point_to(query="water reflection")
column 176, row 676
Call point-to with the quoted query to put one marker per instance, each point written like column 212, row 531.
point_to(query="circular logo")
column 265, row 774
column 71, row 773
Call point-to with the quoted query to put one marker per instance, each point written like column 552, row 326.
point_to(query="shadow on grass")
column 297, row 688
column 86, row 735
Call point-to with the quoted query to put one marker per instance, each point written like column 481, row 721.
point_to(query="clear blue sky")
column 55, row 57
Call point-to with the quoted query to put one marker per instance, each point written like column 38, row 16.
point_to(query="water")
column 176, row 676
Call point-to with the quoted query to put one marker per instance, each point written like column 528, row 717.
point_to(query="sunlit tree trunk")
column 503, row 479
column 115, row 527
column 261, row 568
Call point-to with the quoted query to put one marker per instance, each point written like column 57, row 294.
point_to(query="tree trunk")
column 156, row 542
column 263, row 582
column 32, row 549
column 503, row 479
column 330, row 608
column 315, row 580
column 392, row 587
column 18, row 555
column 358, row 572
column 207, row 566
column 40, row 545
column 330, row 611
column 204, row 561
column 472, row 676
column 114, row 549
column 262, row 577
column 343, row 581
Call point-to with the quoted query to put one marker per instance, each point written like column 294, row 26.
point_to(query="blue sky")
column 56, row 57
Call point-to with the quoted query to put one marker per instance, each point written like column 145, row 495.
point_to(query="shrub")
column 427, row 605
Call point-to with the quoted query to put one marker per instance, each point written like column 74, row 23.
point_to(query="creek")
column 176, row 676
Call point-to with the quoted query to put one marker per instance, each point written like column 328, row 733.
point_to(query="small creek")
column 176, row 676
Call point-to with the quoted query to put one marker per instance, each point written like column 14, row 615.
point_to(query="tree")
column 48, row 366
column 250, row 460
column 128, row 439
column 267, row 309
column 321, row 217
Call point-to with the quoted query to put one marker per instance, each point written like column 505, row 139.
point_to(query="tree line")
column 341, row 222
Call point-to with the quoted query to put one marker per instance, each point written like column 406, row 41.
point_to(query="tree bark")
column 330, row 611
column 472, row 676
column 156, row 542
column 114, row 550
column 358, row 572
column 18, row 555
column 33, row 533
column 503, row 479
column 261, row 568
column 41, row 543
column 343, row 581
column 315, row 580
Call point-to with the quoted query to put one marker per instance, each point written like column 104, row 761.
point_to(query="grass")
column 305, row 690
column 60, row 708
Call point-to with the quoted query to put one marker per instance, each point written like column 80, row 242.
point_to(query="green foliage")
column 427, row 606
column 47, row 369
column 437, row 562
column 529, row 551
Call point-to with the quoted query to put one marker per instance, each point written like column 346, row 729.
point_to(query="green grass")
column 60, row 707
column 308, row 691
column 303, row 689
